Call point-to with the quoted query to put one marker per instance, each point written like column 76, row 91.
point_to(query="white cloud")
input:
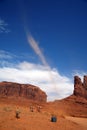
column 25, row 72
column 3, row 27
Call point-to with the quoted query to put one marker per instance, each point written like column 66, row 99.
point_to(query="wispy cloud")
column 26, row 72
column 5, row 55
column 3, row 27
column 37, row 49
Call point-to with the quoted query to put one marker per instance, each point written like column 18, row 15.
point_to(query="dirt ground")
column 36, row 120
column 81, row 121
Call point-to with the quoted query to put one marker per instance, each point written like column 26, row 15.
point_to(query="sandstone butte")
column 80, row 88
column 10, row 89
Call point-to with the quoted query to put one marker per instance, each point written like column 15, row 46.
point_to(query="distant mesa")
column 80, row 88
column 10, row 89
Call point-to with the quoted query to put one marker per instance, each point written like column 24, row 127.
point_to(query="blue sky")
column 47, row 37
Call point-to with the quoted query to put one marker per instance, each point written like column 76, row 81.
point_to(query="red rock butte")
column 80, row 88
column 10, row 89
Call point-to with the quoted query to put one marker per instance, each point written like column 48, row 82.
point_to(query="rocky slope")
column 9, row 89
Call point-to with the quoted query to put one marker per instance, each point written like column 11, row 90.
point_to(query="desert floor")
column 36, row 120
column 80, row 121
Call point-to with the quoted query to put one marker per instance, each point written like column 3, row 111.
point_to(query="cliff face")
column 22, row 90
column 80, row 88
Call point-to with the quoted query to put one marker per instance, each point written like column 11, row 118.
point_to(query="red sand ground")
column 41, row 120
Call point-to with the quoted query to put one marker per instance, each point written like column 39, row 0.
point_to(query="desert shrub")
column 31, row 109
column 17, row 114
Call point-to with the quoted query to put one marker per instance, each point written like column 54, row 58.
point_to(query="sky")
column 43, row 43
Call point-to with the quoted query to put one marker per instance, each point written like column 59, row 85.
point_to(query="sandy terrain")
column 36, row 120
column 80, row 121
